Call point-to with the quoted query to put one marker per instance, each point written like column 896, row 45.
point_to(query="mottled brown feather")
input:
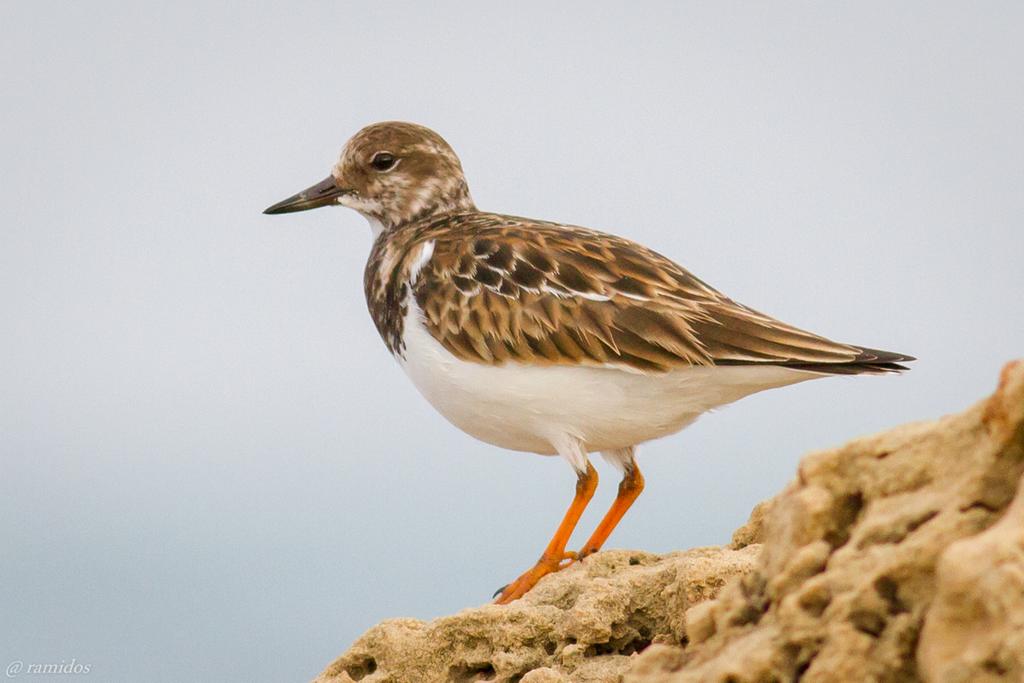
column 500, row 288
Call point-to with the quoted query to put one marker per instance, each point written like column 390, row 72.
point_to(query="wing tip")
column 889, row 359
column 867, row 362
column 868, row 355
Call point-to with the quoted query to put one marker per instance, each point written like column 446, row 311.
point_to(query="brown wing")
column 542, row 293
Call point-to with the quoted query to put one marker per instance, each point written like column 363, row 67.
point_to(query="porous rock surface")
column 897, row 557
column 581, row 624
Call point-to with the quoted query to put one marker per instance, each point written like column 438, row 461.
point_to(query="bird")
column 554, row 339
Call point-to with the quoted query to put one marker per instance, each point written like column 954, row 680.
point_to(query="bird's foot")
column 529, row 578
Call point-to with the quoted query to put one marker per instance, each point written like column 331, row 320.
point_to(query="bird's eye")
column 384, row 161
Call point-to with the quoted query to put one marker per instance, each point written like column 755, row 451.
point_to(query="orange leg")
column 629, row 489
column 555, row 554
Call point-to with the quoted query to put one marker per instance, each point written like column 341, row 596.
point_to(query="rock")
column 974, row 630
column 897, row 557
column 871, row 541
column 581, row 625
column 545, row 674
column 753, row 531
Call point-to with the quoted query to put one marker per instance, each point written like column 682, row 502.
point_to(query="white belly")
column 529, row 408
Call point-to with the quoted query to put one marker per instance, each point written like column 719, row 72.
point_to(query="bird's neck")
column 421, row 213
column 376, row 227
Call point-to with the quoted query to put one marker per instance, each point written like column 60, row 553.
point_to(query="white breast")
column 531, row 408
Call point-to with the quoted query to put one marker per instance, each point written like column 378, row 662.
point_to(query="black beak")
column 323, row 193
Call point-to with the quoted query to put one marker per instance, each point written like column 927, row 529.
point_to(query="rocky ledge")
column 897, row 557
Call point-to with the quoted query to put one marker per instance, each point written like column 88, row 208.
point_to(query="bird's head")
column 392, row 173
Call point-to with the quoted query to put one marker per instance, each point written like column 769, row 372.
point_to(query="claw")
column 544, row 566
column 500, row 591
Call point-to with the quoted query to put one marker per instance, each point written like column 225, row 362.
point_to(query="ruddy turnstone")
column 549, row 338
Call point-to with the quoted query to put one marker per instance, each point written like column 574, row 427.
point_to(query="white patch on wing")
column 553, row 291
column 590, row 295
column 426, row 251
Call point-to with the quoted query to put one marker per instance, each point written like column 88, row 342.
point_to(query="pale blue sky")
column 211, row 467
